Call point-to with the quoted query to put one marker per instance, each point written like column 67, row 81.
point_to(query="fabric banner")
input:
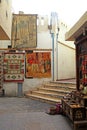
column 24, row 31
column 38, row 64
column 13, row 67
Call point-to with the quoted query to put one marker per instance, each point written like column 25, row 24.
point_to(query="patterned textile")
column 24, row 31
column 38, row 64
column 1, row 70
column 14, row 67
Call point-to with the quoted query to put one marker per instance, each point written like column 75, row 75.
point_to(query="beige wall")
column 6, row 16
column 63, row 29
column 42, row 23
column 66, row 62
column 66, row 54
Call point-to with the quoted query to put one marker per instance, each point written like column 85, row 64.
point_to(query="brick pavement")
column 26, row 114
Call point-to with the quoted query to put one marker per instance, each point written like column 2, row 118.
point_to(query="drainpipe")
column 57, row 52
column 57, row 56
column 53, row 22
column 52, row 35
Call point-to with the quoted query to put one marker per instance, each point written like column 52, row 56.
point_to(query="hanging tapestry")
column 13, row 67
column 1, row 70
column 38, row 64
column 24, row 30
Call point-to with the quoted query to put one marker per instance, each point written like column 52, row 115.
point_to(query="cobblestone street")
column 26, row 114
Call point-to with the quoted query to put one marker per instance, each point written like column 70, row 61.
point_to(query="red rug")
column 38, row 65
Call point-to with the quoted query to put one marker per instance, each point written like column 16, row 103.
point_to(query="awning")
column 77, row 29
column 3, row 35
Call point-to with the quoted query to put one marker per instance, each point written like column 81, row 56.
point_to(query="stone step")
column 51, row 91
column 61, row 85
column 44, row 99
column 48, row 94
column 56, row 91
column 72, row 81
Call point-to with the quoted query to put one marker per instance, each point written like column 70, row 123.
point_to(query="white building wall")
column 66, row 62
column 6, row 20
column 63, row 28
column 4, row 43
column 66, row 54
column 44, row 40
column 6, row 15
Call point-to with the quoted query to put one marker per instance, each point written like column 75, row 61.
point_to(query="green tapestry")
column 24, row 31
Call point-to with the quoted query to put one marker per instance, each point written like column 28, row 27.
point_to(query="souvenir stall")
column 74, row 105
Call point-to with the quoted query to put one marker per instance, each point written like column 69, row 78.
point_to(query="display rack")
column 75, row 104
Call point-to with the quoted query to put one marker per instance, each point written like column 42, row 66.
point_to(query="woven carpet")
column 13, row 67
column 38, row 64
column 24, row 31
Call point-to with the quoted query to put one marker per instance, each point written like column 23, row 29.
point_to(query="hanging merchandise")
column 38, row 64
column 13, row 67
column 24, row 30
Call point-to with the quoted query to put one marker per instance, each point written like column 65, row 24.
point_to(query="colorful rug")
column 38, row 65
column 13, row 67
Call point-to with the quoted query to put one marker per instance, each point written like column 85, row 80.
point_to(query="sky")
column 69, row 11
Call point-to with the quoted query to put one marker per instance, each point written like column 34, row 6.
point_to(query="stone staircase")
column 51, row 92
